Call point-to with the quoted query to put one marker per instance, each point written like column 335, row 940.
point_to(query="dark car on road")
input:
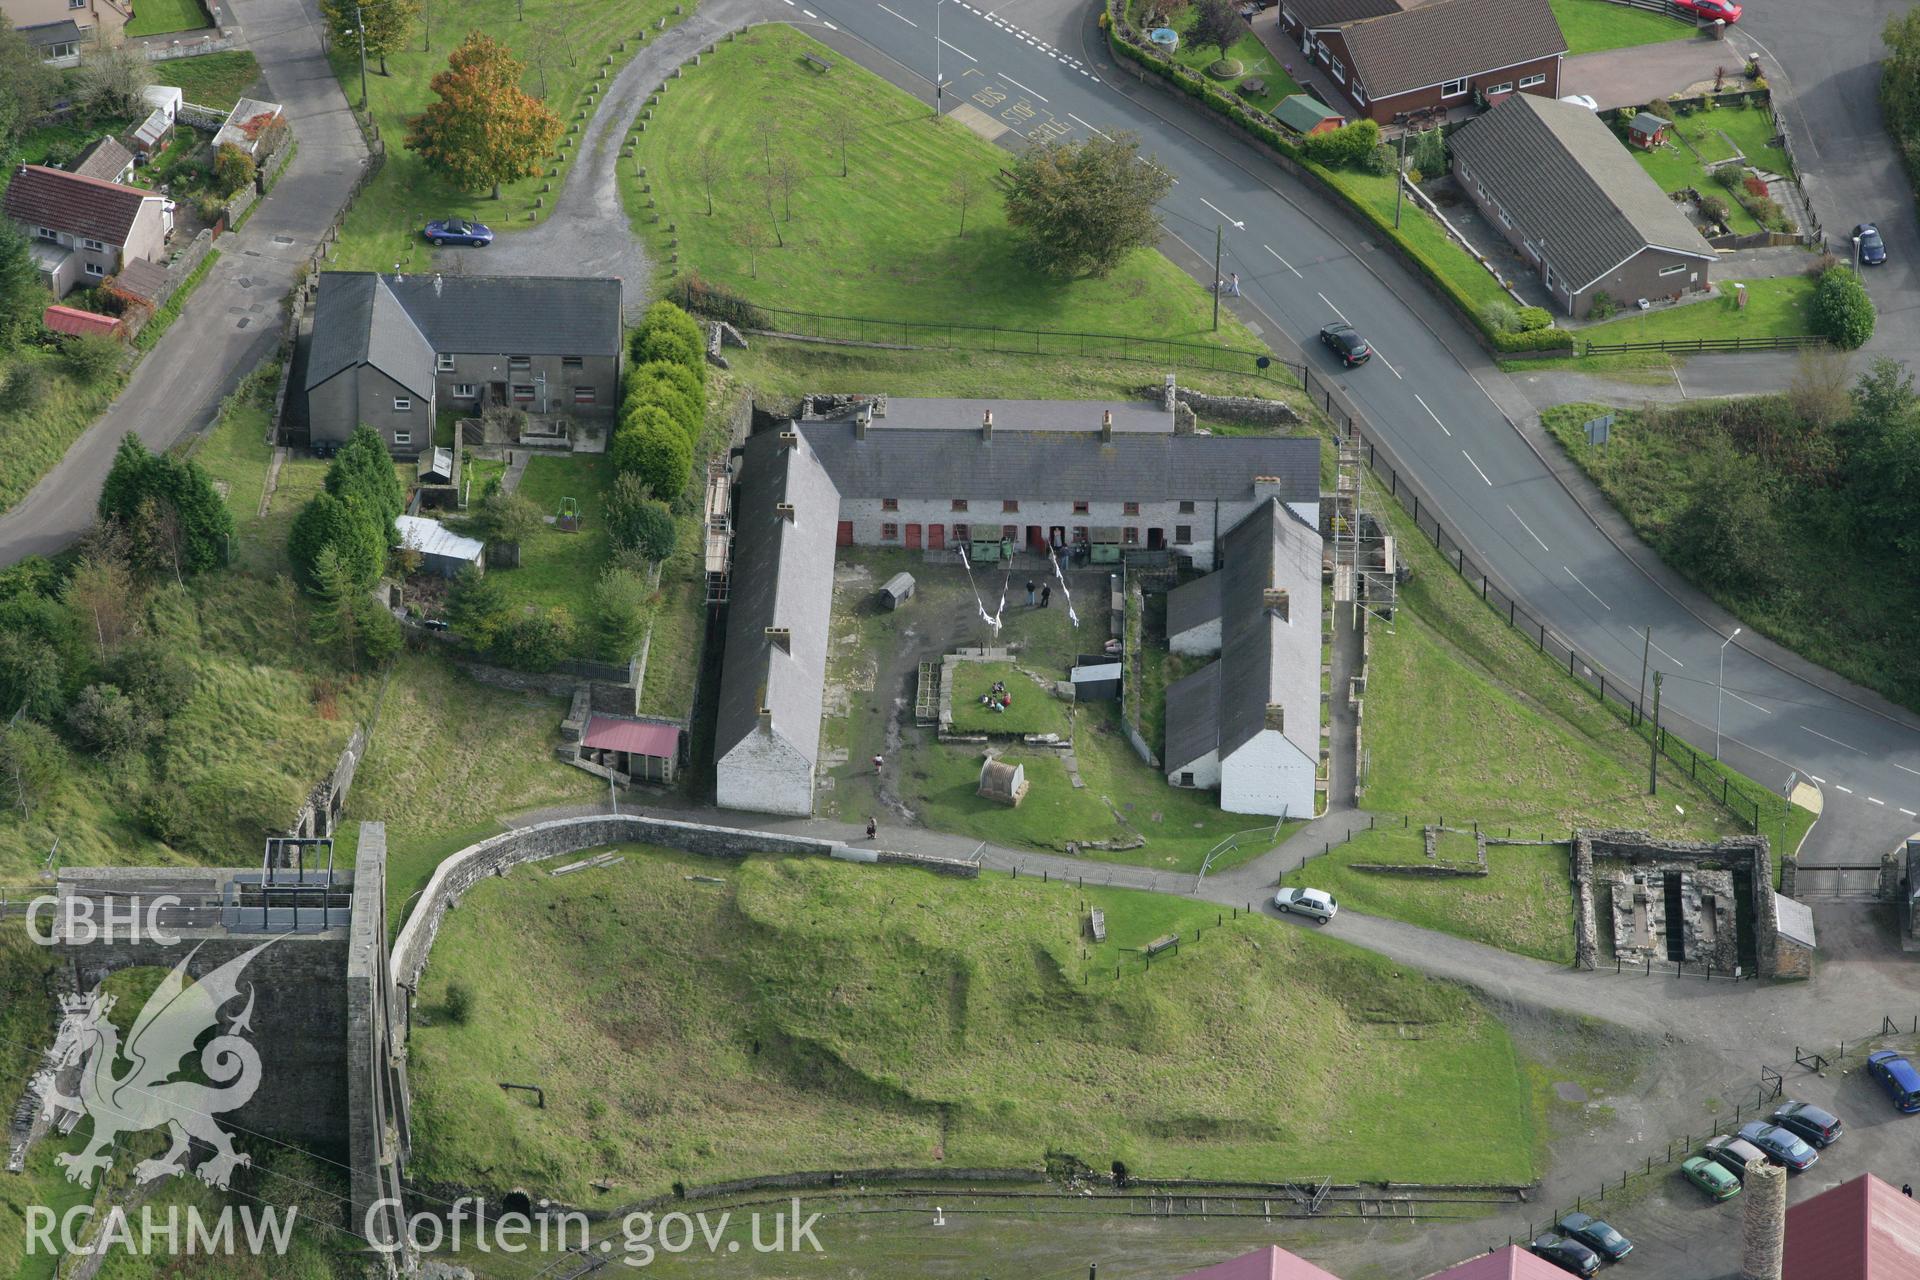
column 1346, row 342
column 1897, row 1076
column 1873, row 250
column 444, row 231
column 1566, row 1253
column 1817, row 1128
column 1596, row 1235
column 1781, row 1146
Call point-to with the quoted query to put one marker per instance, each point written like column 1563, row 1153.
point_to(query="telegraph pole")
column 1219, row 234
column 1653, row 758
column 360, row 23
column 1400, row 180
column 1639, row 706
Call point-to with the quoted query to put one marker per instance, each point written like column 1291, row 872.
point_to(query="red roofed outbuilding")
column 1269, row 1263
column 1860, row 1230
column 72, row 320
column 1509, row 1263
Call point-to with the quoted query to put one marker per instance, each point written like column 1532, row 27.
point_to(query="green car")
column 1711, row 1178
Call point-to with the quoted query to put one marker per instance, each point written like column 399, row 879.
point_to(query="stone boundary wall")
column 1236, row 408
column 499, row 854
column 1749, row 853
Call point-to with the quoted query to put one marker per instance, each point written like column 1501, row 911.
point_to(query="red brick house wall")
column 1331, row 49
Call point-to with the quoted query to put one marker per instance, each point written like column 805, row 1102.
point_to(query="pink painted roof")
column 1269, row 1263
column 1509, row 1263
column 1860, row 1230
column 73, row 320
column 608, row 734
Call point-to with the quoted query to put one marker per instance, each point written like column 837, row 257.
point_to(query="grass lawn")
column 884, row 241
column 1421, row 235
column 1778, row 307
column 561, row 568
column 1850, row 613
column 563, row 44
column 963, row 1022
column 213, row 80
column 1592, row 26
column 1034, row 709
column 34, row 436
column 1524, row 904
column 235, row 453
column 160, row 17
column 1256, row 61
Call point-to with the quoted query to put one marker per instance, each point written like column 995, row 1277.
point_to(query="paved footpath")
column 232, row 321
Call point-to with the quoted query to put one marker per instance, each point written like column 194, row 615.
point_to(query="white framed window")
column 444, row 363
column 1673, row 270
column 403, row 437
column 68, row 50
column 1337, row 68
column 1453, row 88
column 95, row 270
column 466, row 391
column 47, row 233
column 96, row 245
column 523, row 392
column 76, row 4
column 1505, row 221
column 1528, row 82
column 1498, row 89
column 401, row 404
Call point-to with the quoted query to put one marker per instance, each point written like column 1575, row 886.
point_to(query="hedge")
column 1126, row 43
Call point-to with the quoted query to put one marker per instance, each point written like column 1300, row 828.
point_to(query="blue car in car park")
column 1897, row 1076
column 445, row 231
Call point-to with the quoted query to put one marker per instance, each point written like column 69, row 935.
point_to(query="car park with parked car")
column 1566, row 1253
column 446, row 231
column 1872, row 249
column 1315, row 904
column 1897, row 1076
column 1781, row 1146
column 1595, row 1235
column 1710, row 1178
column 1734, row 1154
column 1814, row 1126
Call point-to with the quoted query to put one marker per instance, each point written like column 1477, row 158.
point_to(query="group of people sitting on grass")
column 997, row 697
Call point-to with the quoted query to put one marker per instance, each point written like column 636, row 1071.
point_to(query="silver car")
column 1315, row 904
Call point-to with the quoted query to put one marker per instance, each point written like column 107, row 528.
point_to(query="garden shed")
column 442, row 551
column 1647, row 130
column 1307, row 115
column 1095, row 678
column 898, row 591
column 1002, row 782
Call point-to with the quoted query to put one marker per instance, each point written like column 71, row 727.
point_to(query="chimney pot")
column 986, row 425
column 781, row 638
column 785, row 511
column 1106, row 427
column 789, row 439
column 1276, row 599
column 1276, row 717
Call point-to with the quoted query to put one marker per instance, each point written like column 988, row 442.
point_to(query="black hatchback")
column 1596, row 1235
column 1346, row 342
column 1809, row 1123
column 1873, row 250
column 1566, row 1253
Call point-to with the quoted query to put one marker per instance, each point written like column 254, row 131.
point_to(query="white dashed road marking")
column 1872, row 800
column 1838, row 787
column 956, row 48
column 1756, row 706
column 1329, row 301
column 1835, row 741
column 1083, row 124
column 1289, row 266
column 1910, row 813
column 903, row 17
column 1589, row 590
column 1476, row 467
column 1432, row 414
column 1516, row 516
column 1016, row 84
column 1902, row 768
column 1237, row 224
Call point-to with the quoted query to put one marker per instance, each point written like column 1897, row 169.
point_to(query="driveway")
column 232, row 321
column 588, row 233
column 1630, row 77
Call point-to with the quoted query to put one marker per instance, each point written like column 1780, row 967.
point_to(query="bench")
column 814, row 60
column 1169, row 943
column 1097, row 924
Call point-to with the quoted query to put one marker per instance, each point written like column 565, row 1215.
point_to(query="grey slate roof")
column 1560, row 173
column 357, row 319
column 104, row 159
column 1263, row 660
column 782, row 577
column 1317, row 15
column 1043, row 466
column 1794, row 919
column 1444, row 40
column 1193, row 604
column 916, row 413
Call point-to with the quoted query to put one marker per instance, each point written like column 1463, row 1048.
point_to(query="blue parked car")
column 1897, row 1076
column 1781, row 1145
column 444, row 231
column 1873, row 250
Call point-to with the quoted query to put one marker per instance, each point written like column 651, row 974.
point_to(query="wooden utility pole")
column 1640, row 703
column 1653, row 759
column 1219, row 233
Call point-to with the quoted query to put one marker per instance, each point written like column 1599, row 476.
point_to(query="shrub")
column 1756, row 186
column 535, row 640
column 1662, row 108
column 1728, row 176
column 163, row 812
column 1531, row 319
column 1534, row 340
column 1822, row 263
column 1349, row 145
column 110, row 722
column 154, row 678
column 1843, row 313
column 1380, row 161
column 668, row 333
column 651, row 445
column 353, row 533
column 673, row 388
column 622, row 607
column 1499, row 316
column 1714, row 209
column 91, row 358
column 638, row 522
column 25, row 387
column 233, row 169
column 711, row 300
column 1603, row 306
column 459, row 1004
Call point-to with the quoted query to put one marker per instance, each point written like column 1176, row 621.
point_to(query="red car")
column 1708, row 10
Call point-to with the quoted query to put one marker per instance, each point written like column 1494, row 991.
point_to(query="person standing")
column 877, row 762
column 1046, row 595
column 873, row 827
column 1233, row 285
column 1030, row 589
column 1906, row 1189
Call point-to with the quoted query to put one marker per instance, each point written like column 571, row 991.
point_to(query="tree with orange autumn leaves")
column 483, row 129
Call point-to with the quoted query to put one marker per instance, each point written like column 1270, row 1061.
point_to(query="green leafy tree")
column 1842, row 311
column 477, row 607
column 27, row 88
column 622, row 607
column 650, row 446
column 1900, row 76
column 389, row 25
column 233, row 169
column 22, row 299
column 1729, row 536
column 508, row 517
column 675, row 388
column 155, row 677
column 91, row 358
column 353, row 535
column 108, row 721
column 1883, row 473
column 364, row 468
column 170, row 507
column 1082, row 207
column 1216, row 23
column 381, row 636
column 336, row 612
column 111, row 80
column 638, row 522
column 32, row 762
column 32, row 675
column 482, row 129
column 537, row 639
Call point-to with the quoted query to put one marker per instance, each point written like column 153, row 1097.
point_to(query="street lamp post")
column 1856, row 255
column 360, row 29
column 1719, row 692
column 939, row 85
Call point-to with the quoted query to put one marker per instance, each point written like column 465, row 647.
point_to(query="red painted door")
column 844, row 538
column 1035, row 539
column 936, row 537
column 913, row 537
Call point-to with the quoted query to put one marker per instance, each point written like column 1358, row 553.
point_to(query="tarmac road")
column 1040, row 67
